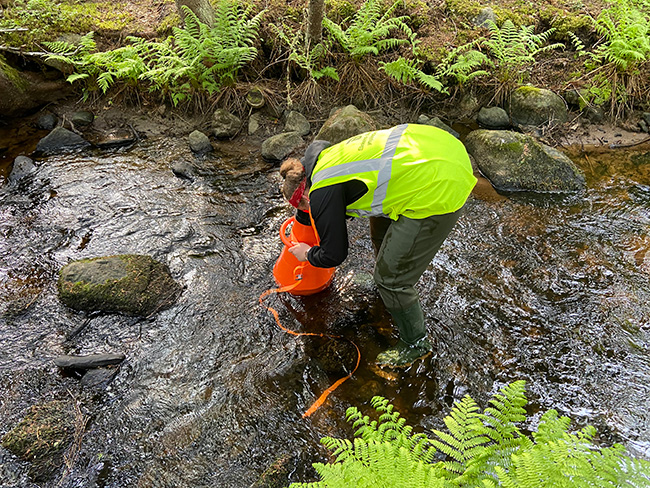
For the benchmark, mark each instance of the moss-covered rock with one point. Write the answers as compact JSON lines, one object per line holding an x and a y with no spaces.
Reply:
{"x":345,"y":123}
{"x":42,"y":437}
{"x":22,"y":92}
{"x":276,"y":475}
{"x":518,"y":162}
{"x":130,"y":283}
{"x":537,"y":106}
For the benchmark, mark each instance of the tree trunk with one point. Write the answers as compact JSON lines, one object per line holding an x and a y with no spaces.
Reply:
{"x":315,"y":22}
{"x":201,"y":8}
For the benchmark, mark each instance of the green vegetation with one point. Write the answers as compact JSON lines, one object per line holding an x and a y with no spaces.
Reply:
{"x":512,"y":52}
{"x":369,"y":31}
{"x":616,"y":64}
{"x":194,"y":61}
{"x":480,"y":449}
{"x":430,"y":49}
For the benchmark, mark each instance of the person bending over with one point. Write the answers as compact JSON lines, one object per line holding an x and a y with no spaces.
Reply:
{"x":412,"y":182}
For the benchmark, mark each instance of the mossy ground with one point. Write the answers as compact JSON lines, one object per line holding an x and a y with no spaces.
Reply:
{"x":440,"y":26}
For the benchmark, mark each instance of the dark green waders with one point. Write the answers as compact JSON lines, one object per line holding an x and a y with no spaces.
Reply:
{"x":404,"y":248}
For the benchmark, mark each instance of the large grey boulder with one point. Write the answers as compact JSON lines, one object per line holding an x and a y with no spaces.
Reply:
{"x":518,"y":162}
{"x":277,"y":148}
{"x":132,"y":284}
{"x":225,"y":125}
{"x":60,"y":140}
{"x":537,"y":107}
{"x":346,"y":122}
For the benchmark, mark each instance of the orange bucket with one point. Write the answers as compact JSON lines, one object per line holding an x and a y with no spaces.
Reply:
{"x":288,"y":270}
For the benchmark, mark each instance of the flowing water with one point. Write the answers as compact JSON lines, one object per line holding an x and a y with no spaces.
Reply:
{"x":550,"y":289}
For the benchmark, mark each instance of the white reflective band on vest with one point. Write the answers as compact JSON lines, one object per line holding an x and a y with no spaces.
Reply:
{"x":383,"y":166}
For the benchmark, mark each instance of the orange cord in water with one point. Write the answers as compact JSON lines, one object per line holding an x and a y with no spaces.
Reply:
{"x":321,"y":399}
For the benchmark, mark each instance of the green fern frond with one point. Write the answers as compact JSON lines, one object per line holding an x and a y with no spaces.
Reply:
{"x":553,"y":458}
{"x":405,"y":71}
{"x":369,"y":31}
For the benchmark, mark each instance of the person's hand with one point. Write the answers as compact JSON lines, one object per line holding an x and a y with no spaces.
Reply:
{"x":300,"y":250}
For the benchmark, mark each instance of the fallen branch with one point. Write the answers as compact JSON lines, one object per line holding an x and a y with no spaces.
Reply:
{"x":17,"y":50}
{"x":17,"y":29}
{"x":622,"y":146}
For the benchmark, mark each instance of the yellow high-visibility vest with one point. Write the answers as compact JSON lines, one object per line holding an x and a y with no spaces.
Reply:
{"x":411,"y":170}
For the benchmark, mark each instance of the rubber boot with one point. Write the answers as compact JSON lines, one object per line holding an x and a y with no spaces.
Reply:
{"x":404,"y":355}
{"x":413,"y":343}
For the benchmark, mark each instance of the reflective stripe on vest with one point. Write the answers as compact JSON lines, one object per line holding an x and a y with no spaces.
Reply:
{"x":439,"y":171}
{"x":383,"y":165}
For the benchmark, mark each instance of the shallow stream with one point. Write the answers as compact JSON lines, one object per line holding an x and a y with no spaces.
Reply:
{"x":550,"y":289}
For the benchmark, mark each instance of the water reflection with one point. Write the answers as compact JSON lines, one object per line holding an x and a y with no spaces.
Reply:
{"x":553,"y":290}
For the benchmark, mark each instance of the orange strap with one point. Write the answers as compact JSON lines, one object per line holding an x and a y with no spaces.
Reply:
{"x":321,"y":399}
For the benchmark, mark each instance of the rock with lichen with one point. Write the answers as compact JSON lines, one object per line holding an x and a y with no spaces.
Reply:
{"x":276,"y":148}
{"x":345,"y":123}
{"x":532,"y":106}
{"x":130,"y":283}
{"x":518,"y":162}
{"x":225,"y":125}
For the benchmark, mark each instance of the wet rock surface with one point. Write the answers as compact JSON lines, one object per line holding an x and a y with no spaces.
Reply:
{"x":41,"y":438}
{"x":89,"y":361}
{"x":131,"y":284}
{"x":21,"y":168}
{"x":277,"y":148}
{"x":225,"y":124}
{"x":60,"y":140}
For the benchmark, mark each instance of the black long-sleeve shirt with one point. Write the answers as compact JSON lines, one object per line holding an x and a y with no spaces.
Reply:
{"x":328,"y":206}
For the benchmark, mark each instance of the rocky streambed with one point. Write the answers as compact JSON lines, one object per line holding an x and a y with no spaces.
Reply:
{"x":207,"y":391}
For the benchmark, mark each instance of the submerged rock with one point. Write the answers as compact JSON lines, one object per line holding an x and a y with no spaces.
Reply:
{"x":60,"y":140}
{"x":21,"y":168}
{"x":115,"y":138}
{"x":183,"y":170}
{"x":42,"y":437}
{"x":99,"y":377}
{"x":346,"y":122}
{"x":277,"y":475}
{"x":518,"y":162}
{"x":130,"y":283}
